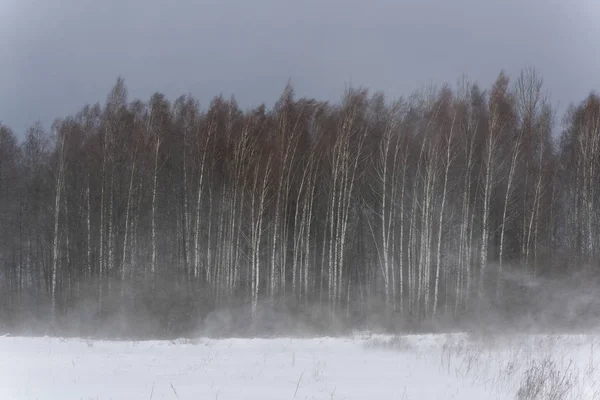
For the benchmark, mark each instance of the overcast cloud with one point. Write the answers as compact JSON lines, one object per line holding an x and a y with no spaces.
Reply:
{"x":56,"y":56}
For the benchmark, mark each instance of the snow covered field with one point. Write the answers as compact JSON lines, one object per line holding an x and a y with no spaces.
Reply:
{"x":419,"y":367}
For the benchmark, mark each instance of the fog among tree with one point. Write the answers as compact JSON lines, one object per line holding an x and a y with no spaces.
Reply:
{"x":455,"y":204}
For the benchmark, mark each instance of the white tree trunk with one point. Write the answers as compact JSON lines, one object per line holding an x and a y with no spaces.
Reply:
{"x":509,"y":188}
{"x":441,"y":219}
{"x":153,"y":215}
{"x":59,"y":184}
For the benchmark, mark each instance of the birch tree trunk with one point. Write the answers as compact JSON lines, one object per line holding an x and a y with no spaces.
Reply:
{"x":124,"y":265}
{"x":204,"y":152}
{"x":441,"y":217}
{"x":153,"y":212}
{"x":509,"y":189}
{"x":59,"y":184}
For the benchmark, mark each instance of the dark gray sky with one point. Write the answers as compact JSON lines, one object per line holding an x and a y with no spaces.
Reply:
{"x":57,"y":55}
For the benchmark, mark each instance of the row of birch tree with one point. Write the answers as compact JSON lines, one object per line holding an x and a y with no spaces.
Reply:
{"x":427,"y":205}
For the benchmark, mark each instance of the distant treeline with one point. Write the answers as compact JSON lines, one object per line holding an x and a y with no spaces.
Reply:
{"x":429,"y":207}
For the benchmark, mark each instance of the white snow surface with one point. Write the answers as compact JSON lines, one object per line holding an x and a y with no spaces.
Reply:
{"x":363,"y":366}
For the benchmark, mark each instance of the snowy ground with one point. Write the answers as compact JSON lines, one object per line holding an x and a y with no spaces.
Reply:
{"x":421,"y":367}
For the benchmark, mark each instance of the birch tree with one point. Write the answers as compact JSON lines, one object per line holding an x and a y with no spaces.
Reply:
{"x":158,"y":120}
{"x":498,"y":108}
{"x":58,"y":189}
{"x":581,"y":161}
